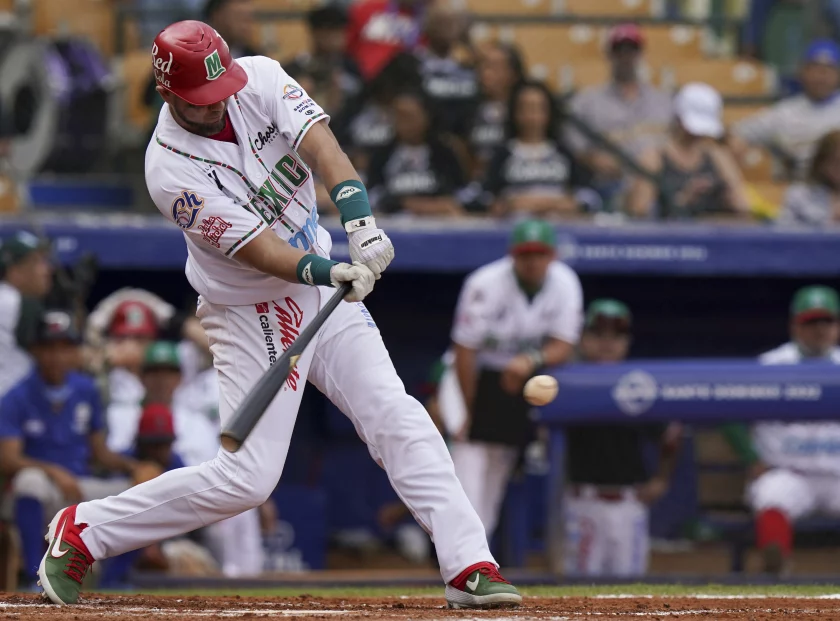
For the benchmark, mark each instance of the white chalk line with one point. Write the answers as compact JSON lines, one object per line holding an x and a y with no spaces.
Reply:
{"x":151,"y":610}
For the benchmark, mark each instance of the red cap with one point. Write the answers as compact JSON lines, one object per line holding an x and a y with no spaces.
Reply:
{"x":626,"y":33}
{"x":191,"y":60}
{"x":156,"y":424}
{"x":133,"y":319}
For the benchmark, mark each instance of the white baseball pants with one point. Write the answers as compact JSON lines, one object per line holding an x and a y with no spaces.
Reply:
{"x":484,"y":469}
{"x":796,"y":494}
{"x":348,"y":362}
{"x":605,"y":537}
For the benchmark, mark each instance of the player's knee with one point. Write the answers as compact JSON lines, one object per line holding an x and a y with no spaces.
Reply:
{"x":33,"y":483}
{"x":246,"y":487}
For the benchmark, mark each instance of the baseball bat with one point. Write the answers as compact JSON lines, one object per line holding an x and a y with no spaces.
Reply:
{"x":250,"y":411}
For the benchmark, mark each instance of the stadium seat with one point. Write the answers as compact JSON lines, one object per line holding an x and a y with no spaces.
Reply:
{"x":732,"y":113}
{"x":8,"y":202}
{"x":284,"y":5}
{"x":136,"y":73}
{"x":759,"y":165}
{"x":671,"y":43}
{"x":91,"y":19}
{"x":771,"y":191}
{"x":283,"y":39}
{"x":545,"y":43}
{"x":612,"y":8}
{"x":733,"y":78}
{"x":507,"y":7}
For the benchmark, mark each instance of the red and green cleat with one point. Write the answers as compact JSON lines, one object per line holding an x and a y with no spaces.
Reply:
{"x":481,"y":586}
{"x":67,"y":560}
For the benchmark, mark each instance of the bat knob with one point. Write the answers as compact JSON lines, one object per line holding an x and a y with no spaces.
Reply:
{"x":230,"y":444}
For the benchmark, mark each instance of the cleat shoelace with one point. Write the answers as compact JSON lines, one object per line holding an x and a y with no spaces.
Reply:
{"x":492,"y":574}
{"x":77,"y":566}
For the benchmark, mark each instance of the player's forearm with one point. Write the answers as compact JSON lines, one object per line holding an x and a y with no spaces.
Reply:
{"x":275,"y":257}
{"x":556,"y":352}
{"x":466,"y":371}
{"x":322,"y":153}
{"x":113,"y":462}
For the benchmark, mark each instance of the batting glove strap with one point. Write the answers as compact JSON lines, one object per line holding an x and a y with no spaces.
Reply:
{"x":359,"y":224}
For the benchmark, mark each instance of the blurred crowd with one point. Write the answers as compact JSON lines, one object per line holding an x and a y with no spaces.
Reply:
{"x":440,"y":125}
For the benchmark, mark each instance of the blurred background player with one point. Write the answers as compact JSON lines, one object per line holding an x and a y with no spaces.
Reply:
{"x":794,"y":467}
{"x":515,"y":316}
{"x":26,"y":272}
{"x":609,"y":488}
{"x":52,"y":430}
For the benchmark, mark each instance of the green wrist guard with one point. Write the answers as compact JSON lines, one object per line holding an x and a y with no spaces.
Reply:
{"x":351,"y":198}
{"x":315,"y":270}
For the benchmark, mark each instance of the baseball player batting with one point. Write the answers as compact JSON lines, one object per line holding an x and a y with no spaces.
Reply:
{"x":231,"y":162}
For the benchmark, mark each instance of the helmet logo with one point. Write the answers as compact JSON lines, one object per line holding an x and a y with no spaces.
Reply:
{"x":161,"y":66}
{"x":214,"y":66}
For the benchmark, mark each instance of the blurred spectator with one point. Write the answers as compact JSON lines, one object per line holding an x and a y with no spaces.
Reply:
{"x":631,"y":114}
{"x":379,"y":29}
{"x":333,"y":75}
{"x":417,"y":173}
{"x":793,"y":466}
{"x":27,"y":272}
{"x":609,"y":487}
{"x":697,"y":176}
{"x":367,"y":122}
{"x":234,"y":21}
{"x":51,"y":428}
{"x":131,"y":329}
{"x":792,"y":127}
{"x":532,"y":173}
{"x":499,"y":70}
{"x":515,"y":316}
{"x":160,"y":376}
{"x":817,"y":201}
{"x":450,"y":85}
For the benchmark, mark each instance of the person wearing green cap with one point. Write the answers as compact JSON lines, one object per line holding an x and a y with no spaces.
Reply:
{"x":515,"y":316}
{"x":794,"y":468}
{"x":609,"y":486}
{"x":27,"y":277}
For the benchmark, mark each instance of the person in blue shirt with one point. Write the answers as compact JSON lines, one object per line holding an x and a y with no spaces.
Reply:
{"x":51,"y":432}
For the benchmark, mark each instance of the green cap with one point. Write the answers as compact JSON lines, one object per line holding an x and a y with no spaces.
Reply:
{"x":606,"y":308}
{"x":19,"y":246}
{"x":162,"y":354}
{"x":815,"y":302}
{"x":532,"y":236}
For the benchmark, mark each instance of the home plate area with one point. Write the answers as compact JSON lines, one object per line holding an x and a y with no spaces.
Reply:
{"x":16,"y":606}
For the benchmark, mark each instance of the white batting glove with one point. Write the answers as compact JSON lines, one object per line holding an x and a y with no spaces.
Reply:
{"x":358,"y":274}
{"x":369,"y":245}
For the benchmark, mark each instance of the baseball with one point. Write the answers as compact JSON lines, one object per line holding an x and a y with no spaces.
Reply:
{"x":540,"y":390}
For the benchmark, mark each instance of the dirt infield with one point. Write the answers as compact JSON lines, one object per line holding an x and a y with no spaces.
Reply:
{"x":140,"y":607}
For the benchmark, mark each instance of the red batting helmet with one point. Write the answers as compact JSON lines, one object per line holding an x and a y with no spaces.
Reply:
{"x":192,"y":61}
{"x":133,"y":319}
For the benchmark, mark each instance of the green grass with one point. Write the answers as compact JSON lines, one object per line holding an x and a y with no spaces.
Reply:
{"x":540,"y":591}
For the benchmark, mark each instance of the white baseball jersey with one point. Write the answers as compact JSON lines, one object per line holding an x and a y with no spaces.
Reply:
{"x":14,"y":362}
{"x":495,"y":317}
{"x":807,"y":447}
{"x":223,"y":194}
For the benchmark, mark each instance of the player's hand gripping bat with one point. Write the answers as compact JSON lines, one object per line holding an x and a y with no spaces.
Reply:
{"x":262,"y":394}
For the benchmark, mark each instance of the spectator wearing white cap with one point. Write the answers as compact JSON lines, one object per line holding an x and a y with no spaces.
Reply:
{"x":697,"y":176}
